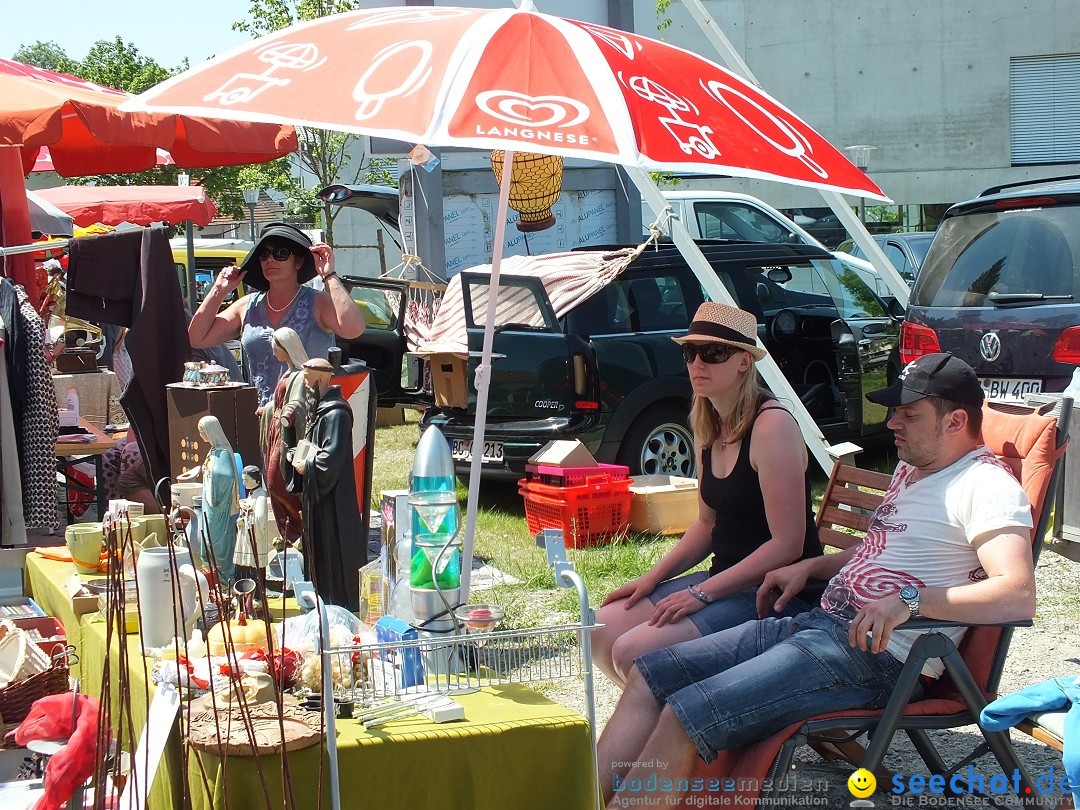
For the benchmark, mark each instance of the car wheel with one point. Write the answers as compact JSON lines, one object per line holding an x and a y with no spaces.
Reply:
{"x":660,"y":443}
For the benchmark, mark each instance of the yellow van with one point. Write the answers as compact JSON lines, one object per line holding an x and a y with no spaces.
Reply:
{"x":210,"y":256}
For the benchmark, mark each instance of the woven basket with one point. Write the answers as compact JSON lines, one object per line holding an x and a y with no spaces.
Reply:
{"x":17,"y":698}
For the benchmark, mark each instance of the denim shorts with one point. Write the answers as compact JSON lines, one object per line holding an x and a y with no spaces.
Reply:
{"x":724,"y":613}
{"x":736,"y":687}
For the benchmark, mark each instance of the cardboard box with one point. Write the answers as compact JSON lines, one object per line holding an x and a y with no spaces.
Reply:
{"x":234,"y":407}
{"x":450,"y":379}
{"x":564,"y":453}
{"x":385,"y":417}
{"x":663,"y":504}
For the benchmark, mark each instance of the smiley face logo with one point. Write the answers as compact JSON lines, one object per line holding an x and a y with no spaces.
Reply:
{"x":861,"y":783}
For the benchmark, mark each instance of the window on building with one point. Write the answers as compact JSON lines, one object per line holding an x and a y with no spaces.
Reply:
{"x":1045,"y":109}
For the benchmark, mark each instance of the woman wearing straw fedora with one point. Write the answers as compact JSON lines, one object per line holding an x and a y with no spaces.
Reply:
{"x":277,"y":267}
{"x":754,"y":509}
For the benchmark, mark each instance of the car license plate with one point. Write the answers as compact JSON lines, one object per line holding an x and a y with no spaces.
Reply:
{"x":1010,"y":389}
{"x":461,"y":450}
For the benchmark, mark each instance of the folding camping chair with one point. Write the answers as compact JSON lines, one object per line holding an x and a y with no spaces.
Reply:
{"x":1032,"y":442}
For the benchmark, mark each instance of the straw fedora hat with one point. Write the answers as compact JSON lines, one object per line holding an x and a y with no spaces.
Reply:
{"x":719,"y":323}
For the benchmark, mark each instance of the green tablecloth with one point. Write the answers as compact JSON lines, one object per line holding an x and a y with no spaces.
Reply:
{"x":515,"y":749}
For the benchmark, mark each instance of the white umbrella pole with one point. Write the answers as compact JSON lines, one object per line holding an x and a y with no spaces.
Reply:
{"x":483,"y":377}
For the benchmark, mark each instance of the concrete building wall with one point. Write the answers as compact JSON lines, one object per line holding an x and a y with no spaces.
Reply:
{"x":925,"y":81}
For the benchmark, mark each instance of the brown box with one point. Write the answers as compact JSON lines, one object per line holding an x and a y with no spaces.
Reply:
{"x":663,"y":504}
{"x":564,"y":453}
{"x":233,"y":406}
{"x":84,"y":602}
{"x":449,"y":378}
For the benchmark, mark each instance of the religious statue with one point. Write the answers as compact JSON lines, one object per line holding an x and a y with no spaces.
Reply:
{"x":255,"y":530}
{"x":281,"y":423}
{"x":332,"y":545}
{"x":221,"y":498}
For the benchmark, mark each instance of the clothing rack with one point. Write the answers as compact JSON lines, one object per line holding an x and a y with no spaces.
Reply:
{"x":35,"y":247}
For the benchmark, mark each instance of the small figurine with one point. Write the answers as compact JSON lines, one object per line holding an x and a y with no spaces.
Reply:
{"x":281,"y":422}
{"x":255,"y":529}
{"x":221,"y":498}
{"x":334,"y":550}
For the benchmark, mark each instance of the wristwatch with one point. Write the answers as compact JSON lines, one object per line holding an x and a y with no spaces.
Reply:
{"x":909,"y":595}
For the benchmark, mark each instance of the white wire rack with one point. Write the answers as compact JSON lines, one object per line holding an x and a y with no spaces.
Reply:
{"x":457,"y":662}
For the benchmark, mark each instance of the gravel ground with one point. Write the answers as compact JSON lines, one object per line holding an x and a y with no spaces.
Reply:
{"x":1048,"y":649}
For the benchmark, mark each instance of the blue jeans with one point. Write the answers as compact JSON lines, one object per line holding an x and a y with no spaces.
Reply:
{"x":739,"y":686}
{"x":727,"y":611}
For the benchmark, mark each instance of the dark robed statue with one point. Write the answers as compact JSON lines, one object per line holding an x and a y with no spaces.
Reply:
{"x":332,"y":545}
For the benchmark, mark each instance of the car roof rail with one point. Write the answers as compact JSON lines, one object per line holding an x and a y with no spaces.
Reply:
{"x":1023,"y":183}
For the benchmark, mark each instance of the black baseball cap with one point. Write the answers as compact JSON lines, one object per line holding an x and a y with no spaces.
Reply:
{"x":932,"y":375}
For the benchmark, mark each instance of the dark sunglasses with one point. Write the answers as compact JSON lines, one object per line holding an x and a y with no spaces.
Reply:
{"x":711,"y":353}
{"x":279,"y":252}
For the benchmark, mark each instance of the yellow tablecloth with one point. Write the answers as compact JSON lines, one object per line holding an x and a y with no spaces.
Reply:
{"x":515,"y":749}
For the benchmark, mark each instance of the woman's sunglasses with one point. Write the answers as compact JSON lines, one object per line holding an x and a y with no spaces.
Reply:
{"x":279,"y":252}
{"x":711,"y":353}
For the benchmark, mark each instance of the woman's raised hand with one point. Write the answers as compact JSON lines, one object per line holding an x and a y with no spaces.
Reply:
{"x":228,"y":280}
{"x":323,"y":255}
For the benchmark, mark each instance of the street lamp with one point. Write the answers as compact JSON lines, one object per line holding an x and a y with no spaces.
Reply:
{"x":251,"y":197}
{"x":860,"y":156}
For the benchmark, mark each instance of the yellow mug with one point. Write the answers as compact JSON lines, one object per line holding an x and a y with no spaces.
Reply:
{"x":155,"y":524}
{"x":84,"y":542}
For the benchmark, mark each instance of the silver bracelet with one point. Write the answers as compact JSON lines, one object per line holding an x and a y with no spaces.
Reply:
{"x":700,"y":595}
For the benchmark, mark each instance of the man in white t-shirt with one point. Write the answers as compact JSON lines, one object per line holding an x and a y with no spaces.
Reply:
{"x":951,"y":540}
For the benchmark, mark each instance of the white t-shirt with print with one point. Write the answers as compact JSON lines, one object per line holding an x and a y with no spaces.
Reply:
{"x":921,"y":535}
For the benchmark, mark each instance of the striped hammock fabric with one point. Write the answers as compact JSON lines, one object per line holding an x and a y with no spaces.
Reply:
{"x":568,"y":279}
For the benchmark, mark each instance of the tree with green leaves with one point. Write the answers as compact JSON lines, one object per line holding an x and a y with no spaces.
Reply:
{"x":46,"y":55}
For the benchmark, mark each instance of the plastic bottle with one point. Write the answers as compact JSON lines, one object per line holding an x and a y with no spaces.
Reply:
{"x":73,"y":401}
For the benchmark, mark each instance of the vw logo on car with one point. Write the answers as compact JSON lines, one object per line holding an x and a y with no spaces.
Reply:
{"x":990,"y":347}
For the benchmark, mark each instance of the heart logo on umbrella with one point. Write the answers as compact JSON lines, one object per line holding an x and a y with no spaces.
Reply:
{"x":518,"y":108}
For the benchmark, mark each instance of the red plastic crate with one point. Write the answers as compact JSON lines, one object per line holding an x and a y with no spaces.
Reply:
{"x":588,"y":515}
{"x":575,"y":476}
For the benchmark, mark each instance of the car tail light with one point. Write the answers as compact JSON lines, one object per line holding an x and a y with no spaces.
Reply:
{"x":916,"y":340}
{"x":1025,"y":202}
{"x":1067,"y":348}
{"x":587,"y":405}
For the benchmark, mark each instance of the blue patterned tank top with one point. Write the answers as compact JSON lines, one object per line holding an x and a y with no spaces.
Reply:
{"x":261,"y":368}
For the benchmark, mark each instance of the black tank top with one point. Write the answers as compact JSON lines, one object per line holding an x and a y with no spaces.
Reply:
{"x":741,"y":525}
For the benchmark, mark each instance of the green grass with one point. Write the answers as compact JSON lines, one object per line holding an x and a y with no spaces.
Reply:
{"x":502,"y":538}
